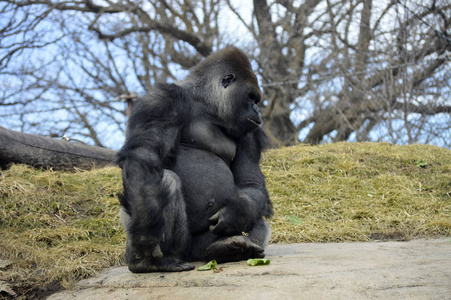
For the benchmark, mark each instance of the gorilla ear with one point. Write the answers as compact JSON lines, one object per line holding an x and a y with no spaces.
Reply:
{"x":227,"y":80}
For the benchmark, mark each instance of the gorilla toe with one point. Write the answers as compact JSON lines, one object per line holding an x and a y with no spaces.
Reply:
{"x":234,"y":248}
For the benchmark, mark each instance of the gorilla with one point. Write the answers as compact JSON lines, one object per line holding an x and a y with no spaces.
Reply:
{"x":193,"y":188}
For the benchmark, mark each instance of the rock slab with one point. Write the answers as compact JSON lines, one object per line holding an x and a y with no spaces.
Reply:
{"x":418,"y":269}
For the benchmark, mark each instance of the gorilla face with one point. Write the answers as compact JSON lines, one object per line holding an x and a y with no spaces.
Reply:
{"x":241,"y":94}
{"x":255,"y":117}
{"x":225,"y":83}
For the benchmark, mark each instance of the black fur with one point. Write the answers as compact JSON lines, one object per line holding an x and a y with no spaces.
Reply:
{"x":190,"y":168}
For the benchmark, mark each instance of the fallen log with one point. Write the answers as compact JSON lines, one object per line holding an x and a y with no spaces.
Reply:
{"x":44,"y":152}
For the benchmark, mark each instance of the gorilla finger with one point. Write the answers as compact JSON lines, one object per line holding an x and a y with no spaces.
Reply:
{"x":222,"y":228}
{"x":218,"y":229}
{"x":156,"y":253}
{"x":258,"y":249}
{"x":214,"y":219}
{"x":185,"y":267}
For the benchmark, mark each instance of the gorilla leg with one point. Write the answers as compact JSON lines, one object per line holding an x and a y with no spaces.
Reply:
{"x":226,"y":249}
{"x":165,"y":256}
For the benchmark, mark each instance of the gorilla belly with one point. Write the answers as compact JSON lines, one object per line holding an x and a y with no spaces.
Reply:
{"x":207,"y":183}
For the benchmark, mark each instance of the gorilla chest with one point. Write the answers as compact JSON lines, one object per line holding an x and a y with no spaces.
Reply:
{"x":208,"y":184}
{"x":203,"y":166}
{"x":206,"y":136}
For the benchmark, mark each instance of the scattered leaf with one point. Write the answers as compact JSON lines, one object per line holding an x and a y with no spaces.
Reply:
{"x":294,"y":220}
{"x":258,"y":262}
{"x":421,"y":163}
{"x":211,"y":265}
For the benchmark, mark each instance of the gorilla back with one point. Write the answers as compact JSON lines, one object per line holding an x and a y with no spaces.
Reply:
{"x":193,"y":188}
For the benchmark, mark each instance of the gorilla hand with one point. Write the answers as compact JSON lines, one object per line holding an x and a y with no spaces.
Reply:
{"x":230,"y":220}
{"x":224,"y":222}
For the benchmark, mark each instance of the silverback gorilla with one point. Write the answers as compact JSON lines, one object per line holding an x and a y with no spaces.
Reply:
{"x":193,"y":188}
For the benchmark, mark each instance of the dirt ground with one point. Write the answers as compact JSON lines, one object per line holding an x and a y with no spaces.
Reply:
{"x":418,"y":269}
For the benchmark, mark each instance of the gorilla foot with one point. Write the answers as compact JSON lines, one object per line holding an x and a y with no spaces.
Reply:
{"x":165,"y":264}
{"x":234,"y":248}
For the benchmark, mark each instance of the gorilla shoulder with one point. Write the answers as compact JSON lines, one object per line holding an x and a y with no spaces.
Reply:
{"x":164,"y":104}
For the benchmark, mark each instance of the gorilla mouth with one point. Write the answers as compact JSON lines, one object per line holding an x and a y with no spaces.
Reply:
{"x":256,"y":122}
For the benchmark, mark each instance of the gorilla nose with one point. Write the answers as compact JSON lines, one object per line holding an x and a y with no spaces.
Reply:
{"x":254,"y":97}
{"x":255,"y":108}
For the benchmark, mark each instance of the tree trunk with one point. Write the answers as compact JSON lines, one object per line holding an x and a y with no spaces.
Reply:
{"x":38,"y":151}
{"x":277,"y":122}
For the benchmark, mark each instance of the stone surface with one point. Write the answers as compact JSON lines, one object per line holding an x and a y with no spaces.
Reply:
{"x":419,"y":269}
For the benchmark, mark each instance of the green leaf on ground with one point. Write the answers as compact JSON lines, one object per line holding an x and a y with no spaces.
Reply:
{"x":421,"y":163}
{"x":211,"y":265}
{"x":294,"y":220}
{"x":258,"y":262}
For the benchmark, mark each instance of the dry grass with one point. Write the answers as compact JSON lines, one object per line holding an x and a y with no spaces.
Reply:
{"x":57,"y":228}
{"x":359,"y":192}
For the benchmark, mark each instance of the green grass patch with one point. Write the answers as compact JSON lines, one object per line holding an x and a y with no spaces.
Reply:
{"x":57,"y":227}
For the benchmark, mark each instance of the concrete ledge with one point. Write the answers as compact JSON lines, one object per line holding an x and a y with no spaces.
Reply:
{"x":419,"y":269}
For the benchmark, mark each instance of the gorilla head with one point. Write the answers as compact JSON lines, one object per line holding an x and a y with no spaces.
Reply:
{"x":229,"y":87}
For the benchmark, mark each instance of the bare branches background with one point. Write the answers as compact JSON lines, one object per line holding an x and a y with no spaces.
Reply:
{"x":331,"y":70}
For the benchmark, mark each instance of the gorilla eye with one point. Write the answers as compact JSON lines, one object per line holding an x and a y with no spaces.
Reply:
{"x":254,"y":98}
{"x":227,"y":80}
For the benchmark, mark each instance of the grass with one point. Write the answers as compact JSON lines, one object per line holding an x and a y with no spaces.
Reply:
{"x":57,"y":228}
{"x":359,"y":192}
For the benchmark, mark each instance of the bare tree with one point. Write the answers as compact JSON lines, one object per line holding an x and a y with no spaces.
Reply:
{"x":331,"y":70}
{"x":100,"y":55}
{"x":388,"y":72}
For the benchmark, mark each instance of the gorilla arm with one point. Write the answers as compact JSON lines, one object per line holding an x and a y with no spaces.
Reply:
{"x":252,"y":201}
{"x":153,"y":132}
